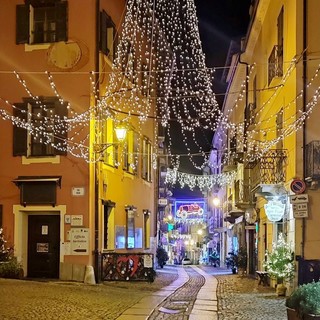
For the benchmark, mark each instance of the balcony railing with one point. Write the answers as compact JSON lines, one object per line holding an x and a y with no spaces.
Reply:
{"x":270,"y":168}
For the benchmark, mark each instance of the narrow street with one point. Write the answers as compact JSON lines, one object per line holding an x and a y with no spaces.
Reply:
{"x":237,"y":297}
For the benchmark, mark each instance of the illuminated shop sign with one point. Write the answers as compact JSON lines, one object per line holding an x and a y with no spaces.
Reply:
{"x":189,"y":209}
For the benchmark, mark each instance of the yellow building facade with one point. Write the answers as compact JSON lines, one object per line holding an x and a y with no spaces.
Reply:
{"x":271,"y":134}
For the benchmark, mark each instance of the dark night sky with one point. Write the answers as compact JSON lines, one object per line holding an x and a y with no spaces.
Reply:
{"x":220,"y":21}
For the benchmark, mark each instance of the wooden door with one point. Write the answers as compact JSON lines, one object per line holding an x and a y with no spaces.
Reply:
{"x":43,"y":246}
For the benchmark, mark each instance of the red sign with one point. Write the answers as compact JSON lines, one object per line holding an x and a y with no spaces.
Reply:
{"x":298,"y":186}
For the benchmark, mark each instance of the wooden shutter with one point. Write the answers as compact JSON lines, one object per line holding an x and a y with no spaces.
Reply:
{"x":62,"y":20}
{"x":20,"y":134}
{"x":61,"y":136}
{"x":103,"y":33}
{"x":22,"y":24}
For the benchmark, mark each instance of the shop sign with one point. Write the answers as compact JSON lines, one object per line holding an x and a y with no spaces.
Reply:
{"x":274,"y":210}
{"x":162,"y":202}
{"x":79,"y":239}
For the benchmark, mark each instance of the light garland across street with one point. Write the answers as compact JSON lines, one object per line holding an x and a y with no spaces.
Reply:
{"x":203,"y":182}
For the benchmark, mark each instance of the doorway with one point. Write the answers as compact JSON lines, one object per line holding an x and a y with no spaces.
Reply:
{"x":43,"y":246}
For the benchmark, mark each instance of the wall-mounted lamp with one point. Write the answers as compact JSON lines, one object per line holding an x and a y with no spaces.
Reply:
{"x":121,"y":132}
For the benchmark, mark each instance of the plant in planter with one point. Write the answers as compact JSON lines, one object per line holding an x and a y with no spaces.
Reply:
{"x":9,"y":266}
{"x":304,"y":302}
{"x":279,"y":263}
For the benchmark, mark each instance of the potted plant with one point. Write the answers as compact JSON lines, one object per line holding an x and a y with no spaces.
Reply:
{"x":279,"y":264}
{"x":304,"y":302}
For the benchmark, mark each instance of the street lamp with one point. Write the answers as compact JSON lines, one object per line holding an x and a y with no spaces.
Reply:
{"x":216,"y":201}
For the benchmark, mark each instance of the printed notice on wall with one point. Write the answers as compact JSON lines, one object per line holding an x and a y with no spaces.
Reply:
{"x":43,"y":247}
{"x":79,"y":241}
{"x":77,"y":220}
{"x":44,"y":230}
{"x":147,"y":261}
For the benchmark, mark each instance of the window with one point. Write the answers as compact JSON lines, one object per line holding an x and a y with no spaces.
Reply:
{"x":41,"y":22}
{"x":280,"y":42}
{"x":275,"y":61}
{"x":46,"y":137}
{"x":0,"y":215}
{"x":146,"y":159}
{"x":111,"y":154}
{"x":108,"y":38}
{"x":130,"y":152}
{"x":279,"y":129}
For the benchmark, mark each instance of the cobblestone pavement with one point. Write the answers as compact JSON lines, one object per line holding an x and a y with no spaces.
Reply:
{"x":242,"y":298}
{"x":179,"y":305}
{"x":238,"y":298}
{"x":24,"y":299}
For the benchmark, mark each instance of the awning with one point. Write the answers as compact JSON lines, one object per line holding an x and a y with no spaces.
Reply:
{"x":32,"y":179}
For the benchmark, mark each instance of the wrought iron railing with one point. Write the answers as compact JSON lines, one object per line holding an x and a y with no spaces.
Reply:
{"x":275,"y":63}
{"x":270,"y":168}
{"x":127,"y":267}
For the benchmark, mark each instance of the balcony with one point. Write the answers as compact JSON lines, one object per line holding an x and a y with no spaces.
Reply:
{"x":269,"y":169}
{"x":275,"y":63}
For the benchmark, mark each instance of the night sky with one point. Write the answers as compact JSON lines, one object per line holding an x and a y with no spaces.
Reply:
{"x":220,"y":21}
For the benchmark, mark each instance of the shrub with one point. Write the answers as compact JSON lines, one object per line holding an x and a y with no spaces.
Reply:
{"x":305,"y":299}
{"x":11,"y":269}
{"x":9,"y":266}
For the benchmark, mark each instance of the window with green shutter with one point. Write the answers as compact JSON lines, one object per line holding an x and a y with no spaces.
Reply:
{"x":40,"y":129}
{"x":41,"y":22}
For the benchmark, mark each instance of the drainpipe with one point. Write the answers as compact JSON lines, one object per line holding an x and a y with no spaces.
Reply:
{"x":304,"y":103}
{"x":97,"y":254}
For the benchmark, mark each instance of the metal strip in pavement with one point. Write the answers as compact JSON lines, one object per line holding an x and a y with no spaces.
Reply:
{"x":142,"y":309}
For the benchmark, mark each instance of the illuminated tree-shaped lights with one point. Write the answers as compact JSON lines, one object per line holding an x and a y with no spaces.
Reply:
{"x":160,"y":63}
{"x":279,"y":262}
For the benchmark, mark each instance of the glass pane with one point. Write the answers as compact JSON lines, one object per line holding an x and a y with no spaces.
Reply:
{"x":120,"y":237}
{"x":138,"y":238}
{"x":131,"y":231}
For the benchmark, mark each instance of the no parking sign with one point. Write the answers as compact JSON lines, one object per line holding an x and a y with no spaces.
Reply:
{"x":298,"y":186}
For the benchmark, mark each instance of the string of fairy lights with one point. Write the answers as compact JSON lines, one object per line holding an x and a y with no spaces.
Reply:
{"x":159,"y":75}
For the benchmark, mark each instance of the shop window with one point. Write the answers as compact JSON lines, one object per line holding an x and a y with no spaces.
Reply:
{"x":41,"y":21}
{"x":120,"y":237}
{"x":130,"y":227}
{"x":47,"y":135}
{"x":138,"y":238}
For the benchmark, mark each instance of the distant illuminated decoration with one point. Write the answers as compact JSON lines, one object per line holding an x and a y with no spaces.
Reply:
{"x":189,"y":210}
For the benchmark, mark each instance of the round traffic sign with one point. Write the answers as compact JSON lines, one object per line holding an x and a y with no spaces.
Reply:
{"x":298,"y":186}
